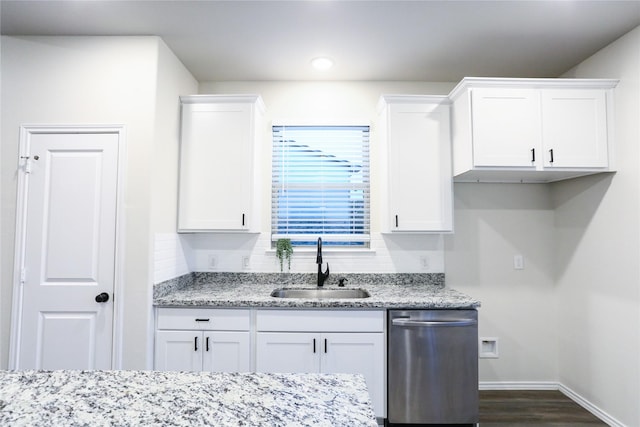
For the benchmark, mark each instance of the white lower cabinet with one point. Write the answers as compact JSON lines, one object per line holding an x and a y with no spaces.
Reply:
{"x":203,"y":340}
{"x":286,"y":341}
{"x":287,"y":352}
{"x":322,"y":341}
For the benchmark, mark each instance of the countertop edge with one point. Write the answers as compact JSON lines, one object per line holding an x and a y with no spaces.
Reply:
{"x":248,"y":290}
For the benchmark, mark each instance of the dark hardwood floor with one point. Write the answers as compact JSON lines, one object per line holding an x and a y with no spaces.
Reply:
{"x":532,"y":409}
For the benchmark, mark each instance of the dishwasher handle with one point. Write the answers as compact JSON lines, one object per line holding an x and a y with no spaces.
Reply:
{"x":403,"y":321}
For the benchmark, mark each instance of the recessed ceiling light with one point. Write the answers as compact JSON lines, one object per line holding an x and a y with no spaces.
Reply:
{"x":322,"y":63}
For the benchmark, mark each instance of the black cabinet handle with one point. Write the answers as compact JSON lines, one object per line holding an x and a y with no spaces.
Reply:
{"x":551,"y":154}
{"x":314,"y":345}
{"x":206,"y":343}
{"x":325,"y":345}
{"x":202,"y":320}
{"x":396,"y":220}
{"x":243,"y":220}
{"x":195,"y":344}
{"x":533,"y":155}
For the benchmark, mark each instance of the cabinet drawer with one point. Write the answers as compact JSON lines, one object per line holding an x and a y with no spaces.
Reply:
{"x":203,"y":319}
{"x":320,"y":321}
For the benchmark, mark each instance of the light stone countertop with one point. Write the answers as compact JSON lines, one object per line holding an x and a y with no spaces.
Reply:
{"x":139,"y":398}
{"x":388,"y":291}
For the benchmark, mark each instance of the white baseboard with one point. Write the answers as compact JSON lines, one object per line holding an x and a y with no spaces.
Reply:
{"x":589,"y":406}
{"x":518,"y":385}
{"x":551,"y":385}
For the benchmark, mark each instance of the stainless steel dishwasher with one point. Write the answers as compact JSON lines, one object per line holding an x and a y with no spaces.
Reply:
{"x":432,"y":367}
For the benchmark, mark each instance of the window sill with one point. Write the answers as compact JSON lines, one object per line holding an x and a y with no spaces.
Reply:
{"x":311,"y":251}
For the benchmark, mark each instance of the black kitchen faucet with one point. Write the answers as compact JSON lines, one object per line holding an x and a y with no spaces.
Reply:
{"x":321,"y":276}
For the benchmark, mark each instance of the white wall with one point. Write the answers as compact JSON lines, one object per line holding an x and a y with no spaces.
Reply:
{"x":323,"y":101}
{"x":168,"y":256}
{"x":493,"y":223}
{"x":173,"y":80}
{"x":75,"y":80}
{"x":597,"y":239}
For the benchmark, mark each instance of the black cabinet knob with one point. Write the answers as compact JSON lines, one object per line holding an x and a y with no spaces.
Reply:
{"x":103,"y":297}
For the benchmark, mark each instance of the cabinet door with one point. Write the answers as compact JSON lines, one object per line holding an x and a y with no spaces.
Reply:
{"x":178,"y":351}
{"x":357,"y":353}
{"x":226,"y":352}
{"x":287,"y":352}
{"x":215,"y":166}
{"x":505,"y":127}
{"x":420,"y":177}
{"x":574,"y":126}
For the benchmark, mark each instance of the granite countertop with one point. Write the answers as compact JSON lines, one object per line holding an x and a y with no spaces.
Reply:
{"x":136,"y":398}
{"x":420,"y":291}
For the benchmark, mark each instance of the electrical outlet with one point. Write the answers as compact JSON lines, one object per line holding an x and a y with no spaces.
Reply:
{"x":212,"y":262}
{"x":245,"y":262}
{"x":518,"y":262}
{"x":424,"y":262}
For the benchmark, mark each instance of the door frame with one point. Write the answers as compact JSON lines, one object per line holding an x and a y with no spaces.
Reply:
{"x":26,"y":131}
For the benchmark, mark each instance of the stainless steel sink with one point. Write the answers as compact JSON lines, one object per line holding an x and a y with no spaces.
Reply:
{"x":320,"y":293}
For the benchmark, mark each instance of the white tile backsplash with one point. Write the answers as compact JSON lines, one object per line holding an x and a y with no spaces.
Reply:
{"x":170,"y":258}
{"x":389,"y":253}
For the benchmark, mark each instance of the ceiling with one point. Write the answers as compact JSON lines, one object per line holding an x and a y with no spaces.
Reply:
{"x":368,"y":40}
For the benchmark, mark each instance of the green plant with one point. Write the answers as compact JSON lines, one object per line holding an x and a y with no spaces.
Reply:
{"x":284,"y":250}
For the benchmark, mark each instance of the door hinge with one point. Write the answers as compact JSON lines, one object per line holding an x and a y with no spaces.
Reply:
{"x":23,"y":276}
{"x":27,"y":164}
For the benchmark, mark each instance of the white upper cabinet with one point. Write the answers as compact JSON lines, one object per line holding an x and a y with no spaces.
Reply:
{"x":574,"y":128}
{"x":514,"y":112}
{"x":218,"y":162}
{"x":531,"y":130}
{"x":416,"y":164}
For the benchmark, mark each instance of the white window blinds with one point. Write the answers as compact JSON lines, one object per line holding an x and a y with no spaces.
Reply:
{"x":320,"y":185}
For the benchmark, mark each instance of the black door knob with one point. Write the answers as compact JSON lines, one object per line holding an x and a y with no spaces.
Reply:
{"x":103,"y":297}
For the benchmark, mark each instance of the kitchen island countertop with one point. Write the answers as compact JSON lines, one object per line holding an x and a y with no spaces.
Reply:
{"x":135,"y":398}
{"x":419,"y":291}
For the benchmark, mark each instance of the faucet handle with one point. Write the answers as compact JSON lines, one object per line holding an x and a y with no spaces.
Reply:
{"x":341,"y":281}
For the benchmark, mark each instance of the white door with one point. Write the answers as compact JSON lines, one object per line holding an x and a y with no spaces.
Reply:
{"x":68,"y":228}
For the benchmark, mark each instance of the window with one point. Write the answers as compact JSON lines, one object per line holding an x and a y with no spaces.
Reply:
{"x":320,"y":185}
